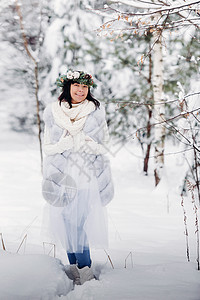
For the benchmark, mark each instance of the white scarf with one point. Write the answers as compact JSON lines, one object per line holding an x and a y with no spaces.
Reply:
{"x":72,"y":119}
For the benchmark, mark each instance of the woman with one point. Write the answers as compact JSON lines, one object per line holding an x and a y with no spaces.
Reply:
{"x":77,"y":180}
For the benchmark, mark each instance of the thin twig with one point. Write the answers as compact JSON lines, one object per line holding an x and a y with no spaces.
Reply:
{"x":109,"y":259}
{"x":165,"y":121}
{"x":28,"y":226}
{"x":186,"y":230}
{"x":150,"y":104}
{"x":52,"y":249}
{"x":130,"y":254}
{"x":191,"y":189}
{"x":2,"y":242}
{"x":171,"y":9}
{"x":23,"y":241}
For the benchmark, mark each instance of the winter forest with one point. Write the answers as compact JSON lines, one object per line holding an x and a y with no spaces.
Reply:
{"x":145,"y":58}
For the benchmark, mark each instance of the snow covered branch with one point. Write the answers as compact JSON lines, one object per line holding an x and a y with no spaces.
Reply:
{"x":163,"y":8}
{"x":138,"y":4}
{"x":138,"y":20}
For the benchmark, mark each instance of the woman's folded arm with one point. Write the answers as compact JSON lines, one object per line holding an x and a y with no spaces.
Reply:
{"x":65,"y":143}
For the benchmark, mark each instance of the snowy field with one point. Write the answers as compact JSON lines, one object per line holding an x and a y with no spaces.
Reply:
{"x":144,"y":223}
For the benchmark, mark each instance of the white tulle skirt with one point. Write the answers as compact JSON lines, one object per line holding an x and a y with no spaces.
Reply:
{"x":83,"y":221}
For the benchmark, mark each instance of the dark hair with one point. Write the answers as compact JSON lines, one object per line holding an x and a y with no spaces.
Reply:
{"x":66,"y":95}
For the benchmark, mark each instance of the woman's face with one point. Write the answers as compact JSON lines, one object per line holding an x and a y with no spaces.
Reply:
{"x":78,"y":92}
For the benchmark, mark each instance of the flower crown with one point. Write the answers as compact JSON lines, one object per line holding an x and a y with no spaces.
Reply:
{"x":76,"y":76}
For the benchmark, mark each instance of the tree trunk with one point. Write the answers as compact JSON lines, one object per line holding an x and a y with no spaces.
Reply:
{"x":159,"y":109}
{"x":149,"y":140}
{"x":21,"y":23}
{"x":146,"y":159}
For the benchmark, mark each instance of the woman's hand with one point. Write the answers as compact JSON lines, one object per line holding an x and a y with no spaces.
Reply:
{"x":92,"y":147}
{"x":84,"y":143}
{"x":65,"y":142}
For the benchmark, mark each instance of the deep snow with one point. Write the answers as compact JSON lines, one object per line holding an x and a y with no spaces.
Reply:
{"x":145,"y":221}
{"x":32,"y":277}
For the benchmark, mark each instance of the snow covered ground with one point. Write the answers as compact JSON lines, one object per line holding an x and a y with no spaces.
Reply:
{"x":144,"y":223}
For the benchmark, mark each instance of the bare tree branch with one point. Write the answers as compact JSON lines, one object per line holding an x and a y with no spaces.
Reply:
{"x":142,"y":4}
{"x":167,"y":10}
{"x":163,"y":9}
{"x":18,"y":9}
{"x":168,"y":120}
{"x":151,"y":104}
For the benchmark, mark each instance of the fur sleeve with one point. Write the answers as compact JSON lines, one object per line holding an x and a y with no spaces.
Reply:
{"x":47,"y":116}
{"x":100,"y":114}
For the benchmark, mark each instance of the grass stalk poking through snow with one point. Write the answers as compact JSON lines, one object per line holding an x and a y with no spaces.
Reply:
{"x":191,"y":188}
{"x":2,"y":242}
{"x":52,"y":249}
{"x":109,"y":259}
{"x":186,"y":230}
{"x":131,"y":257}
{"x":23,"y":241}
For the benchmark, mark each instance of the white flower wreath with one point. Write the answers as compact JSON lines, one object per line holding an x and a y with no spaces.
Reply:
{"x":70,"y":75}
{"x":76,"y":75}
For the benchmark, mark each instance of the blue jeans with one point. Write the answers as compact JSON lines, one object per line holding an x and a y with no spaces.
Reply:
{"x":82,"y":259}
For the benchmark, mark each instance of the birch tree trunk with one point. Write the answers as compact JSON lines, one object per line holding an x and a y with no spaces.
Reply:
{"x":159,"y":109}
{"x":149,"y":110}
